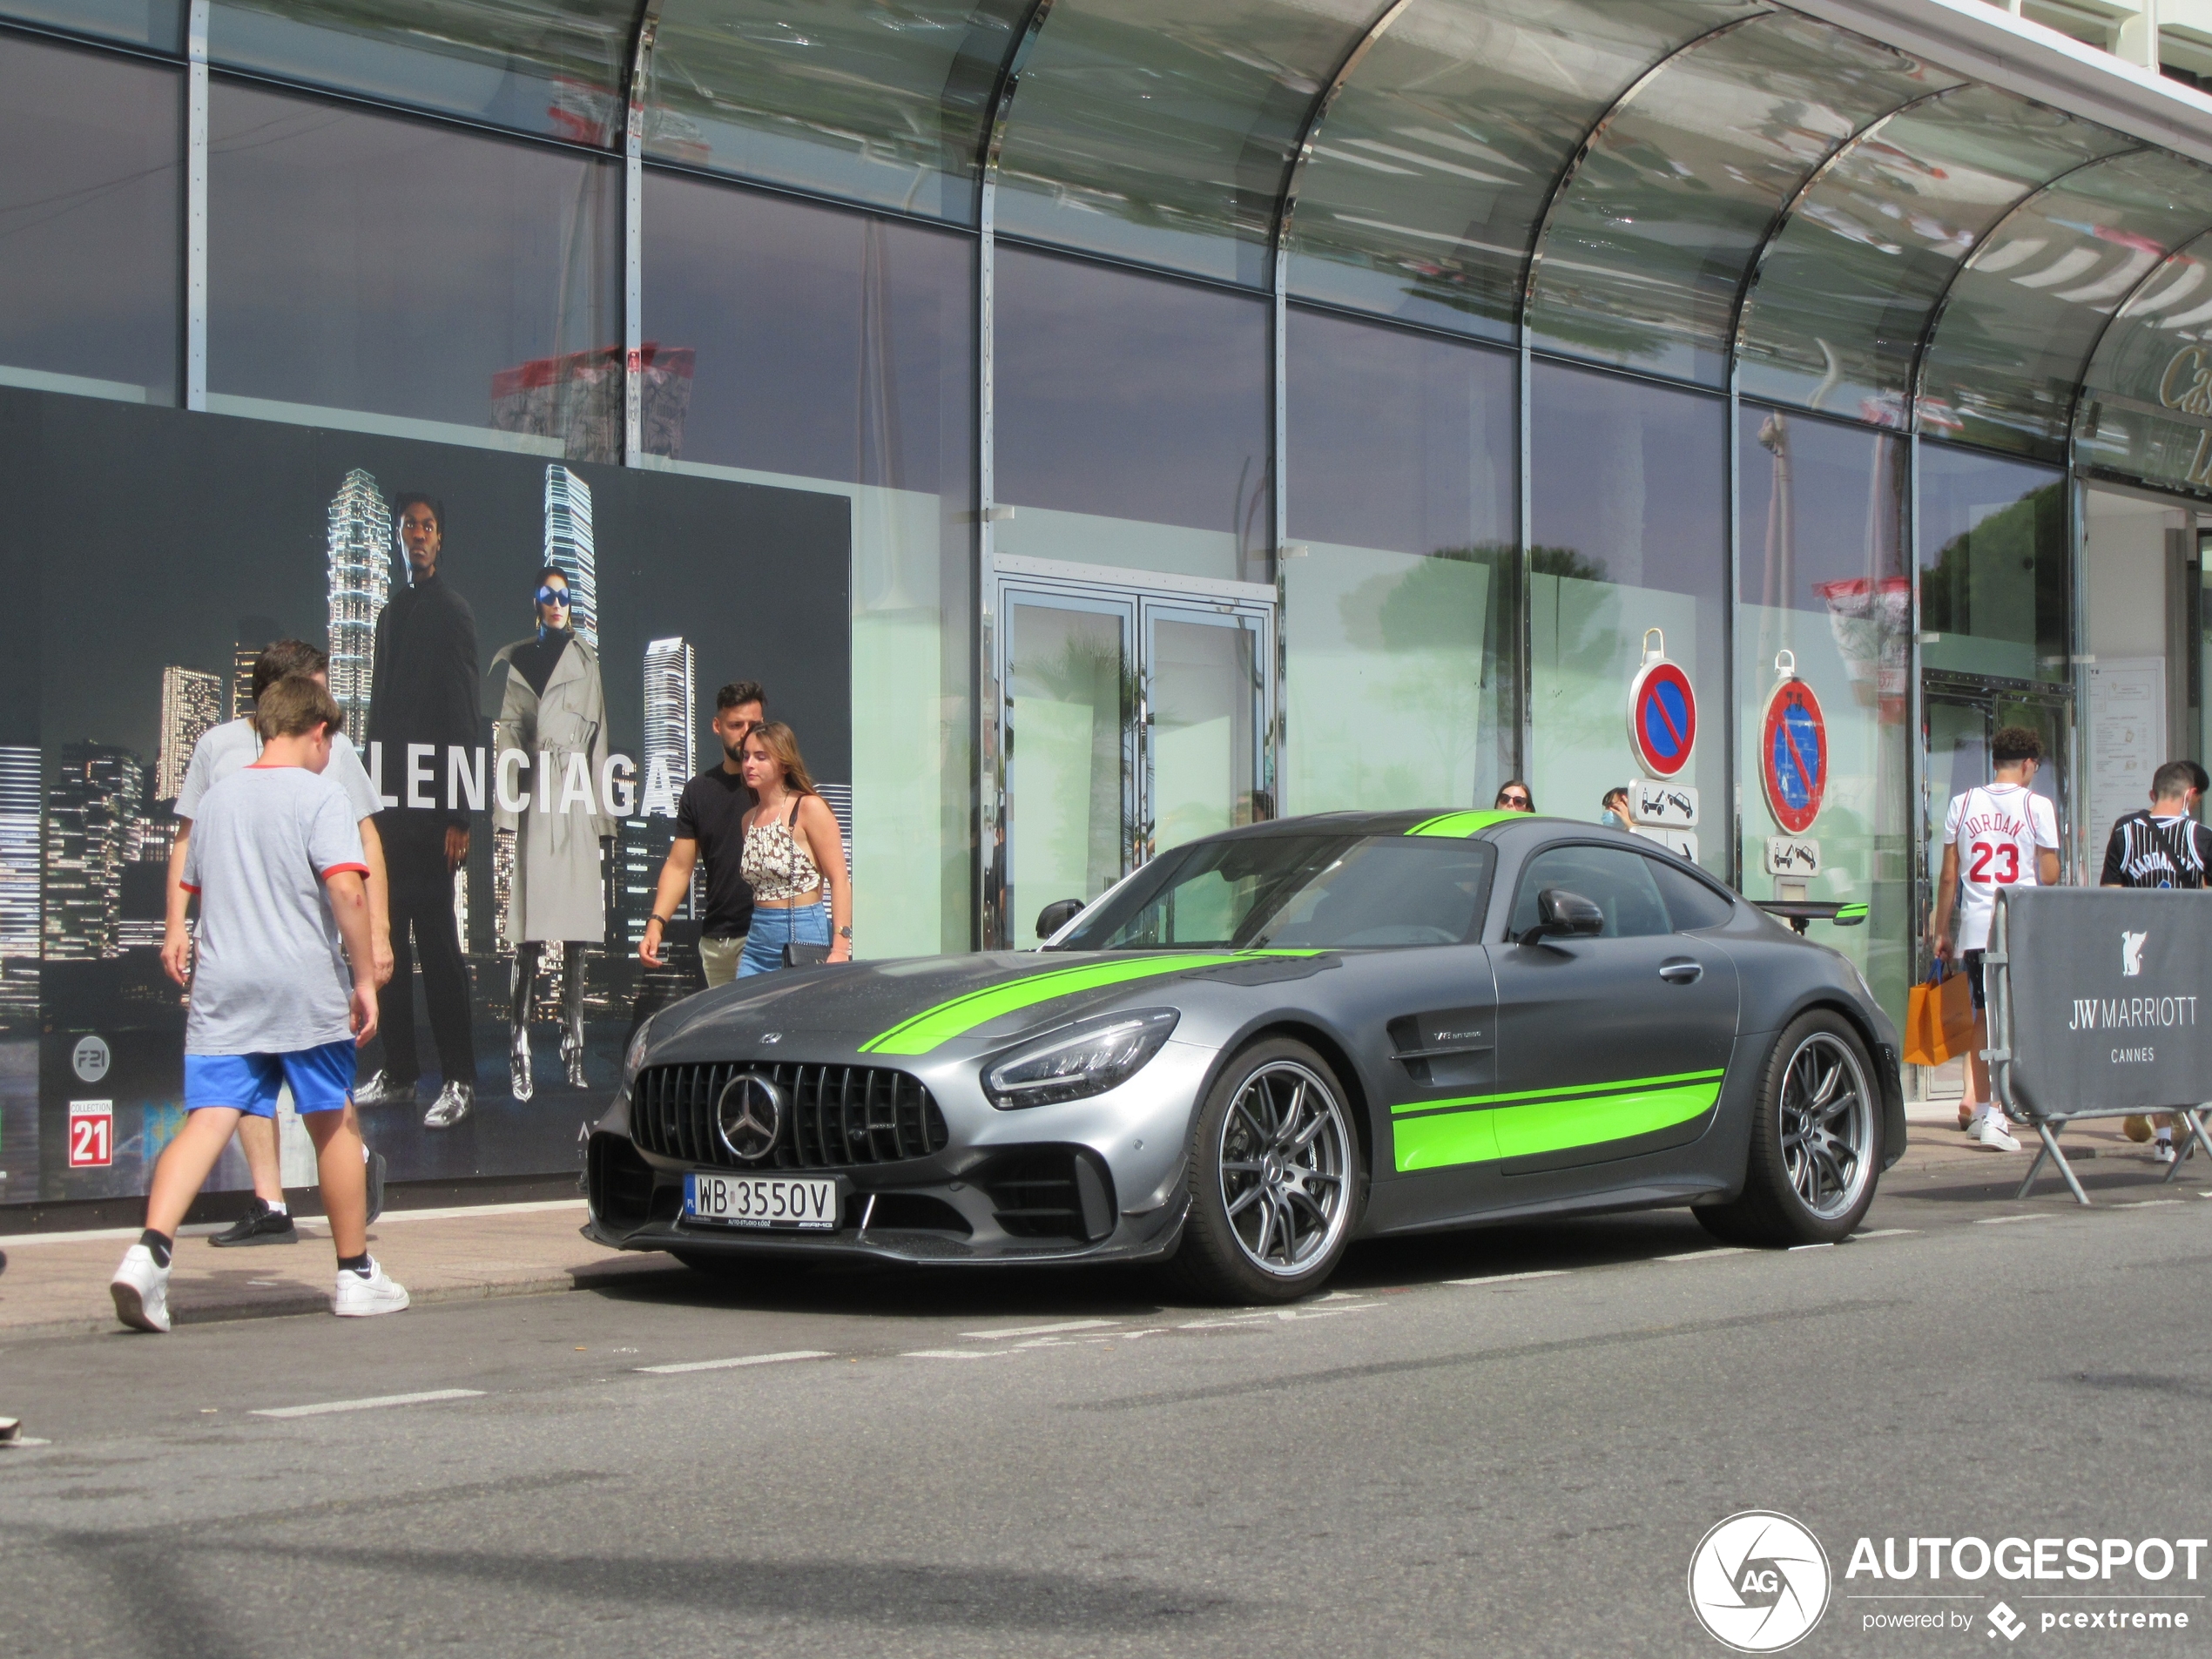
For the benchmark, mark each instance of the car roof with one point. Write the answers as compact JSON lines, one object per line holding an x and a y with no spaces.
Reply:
{"x":1459,"y":822}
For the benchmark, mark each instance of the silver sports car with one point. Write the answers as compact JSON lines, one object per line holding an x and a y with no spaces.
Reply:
{"x":1263,"y":1045}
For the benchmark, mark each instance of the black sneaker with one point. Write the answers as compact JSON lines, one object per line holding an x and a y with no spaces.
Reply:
{"x":375,"y":1185}
{"x":259,"y":1226}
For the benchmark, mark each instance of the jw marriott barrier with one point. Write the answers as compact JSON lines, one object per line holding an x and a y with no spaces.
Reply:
{"x":1097,"y":423}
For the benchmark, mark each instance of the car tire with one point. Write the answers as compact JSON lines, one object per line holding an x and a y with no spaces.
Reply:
{"x":1816,"y":1150}
{"x":1276,"y":1179}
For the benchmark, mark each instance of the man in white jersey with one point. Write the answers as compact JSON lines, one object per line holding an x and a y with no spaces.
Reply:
{"x":221,"y":751}
{"x":2000,"y":835}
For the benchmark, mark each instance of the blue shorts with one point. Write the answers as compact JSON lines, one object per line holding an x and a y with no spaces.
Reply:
{"x":321,"y":1079}
{"x":772,"y":930}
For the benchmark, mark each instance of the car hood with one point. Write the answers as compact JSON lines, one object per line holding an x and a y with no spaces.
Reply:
{"x":939,"y":1005}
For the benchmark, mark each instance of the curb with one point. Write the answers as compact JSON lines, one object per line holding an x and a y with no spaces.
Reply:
{"x":293,"y":1304}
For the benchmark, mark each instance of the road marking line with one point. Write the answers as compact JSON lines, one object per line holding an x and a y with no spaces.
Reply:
{"x":1707,"y":1255}
{"x":1511,"y":1279}
{"x":1041,"y":1330}
{"x":957,"y":1353}
{"x":1794,"y":1249}
{"x":1999,"y":1221}
{"x":745,"y":1360}
{"x":2144,"y":1204}
{"x":1886,"y":1232}
{"x":376,"y":1404}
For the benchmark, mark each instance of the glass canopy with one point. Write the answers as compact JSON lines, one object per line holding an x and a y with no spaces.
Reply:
{"x":1843,"y":293}
{"x":2010,"y":343}
{"x":874,"y":102}
{"x":1426,"y":182}
{"x":1649,"y":242}
{"x":1162,"y":131}
{"x":2146,"y":398}
{"x":557,"y":67}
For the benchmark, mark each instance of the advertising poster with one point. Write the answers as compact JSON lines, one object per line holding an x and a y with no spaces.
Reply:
{"x":153,"y":554}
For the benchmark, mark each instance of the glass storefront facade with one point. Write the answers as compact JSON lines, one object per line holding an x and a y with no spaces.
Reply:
{"x":1096,"y":424}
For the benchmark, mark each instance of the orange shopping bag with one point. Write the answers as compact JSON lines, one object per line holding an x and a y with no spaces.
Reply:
{"x":1939,"y":1019}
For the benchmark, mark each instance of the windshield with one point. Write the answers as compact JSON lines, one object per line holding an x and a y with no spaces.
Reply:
{"x":1315,"y":892}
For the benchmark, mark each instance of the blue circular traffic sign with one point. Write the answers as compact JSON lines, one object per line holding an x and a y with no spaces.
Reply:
{"x":1663,"y":718}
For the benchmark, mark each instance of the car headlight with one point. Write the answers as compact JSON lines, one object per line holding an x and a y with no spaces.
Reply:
{"x":1087,"y":1058}
{"x":634,"y":1055}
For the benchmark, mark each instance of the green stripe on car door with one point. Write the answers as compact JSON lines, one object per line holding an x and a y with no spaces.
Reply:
{"x":941,"y":1024}
{"x":1434,"y":1134}
{"x":1461,"y":824}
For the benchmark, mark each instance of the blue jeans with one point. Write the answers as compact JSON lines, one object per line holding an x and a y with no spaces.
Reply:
{"x":806,"y":924}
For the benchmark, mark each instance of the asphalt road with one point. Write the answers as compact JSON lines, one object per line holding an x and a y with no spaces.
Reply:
{"x":1063,"y":1465}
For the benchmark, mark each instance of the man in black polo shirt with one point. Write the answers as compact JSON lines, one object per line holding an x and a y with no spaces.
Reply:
{"x":710,"y":825}
{"x":2163,"y":848}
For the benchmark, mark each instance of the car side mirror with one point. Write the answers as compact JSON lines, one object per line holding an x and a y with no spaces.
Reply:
{"x":1057,"y":915}
{"x":1559,"y":912}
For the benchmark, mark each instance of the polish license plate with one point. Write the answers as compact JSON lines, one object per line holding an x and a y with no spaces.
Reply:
{"x":806,"y":1205}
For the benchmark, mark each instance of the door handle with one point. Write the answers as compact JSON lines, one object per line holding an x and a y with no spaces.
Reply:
{"x":1680,"y":970}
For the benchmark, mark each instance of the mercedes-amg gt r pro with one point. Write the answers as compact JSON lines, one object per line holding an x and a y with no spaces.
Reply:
{"x":1263,"y":1045}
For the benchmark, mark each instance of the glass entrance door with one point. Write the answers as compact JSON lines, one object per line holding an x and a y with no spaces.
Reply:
{"x":1959,"y":719}
{"x":1134,"y":717}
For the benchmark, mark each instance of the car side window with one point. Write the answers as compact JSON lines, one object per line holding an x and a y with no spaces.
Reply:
{"x":1691,"y":905}
{"x":1618,"y":881}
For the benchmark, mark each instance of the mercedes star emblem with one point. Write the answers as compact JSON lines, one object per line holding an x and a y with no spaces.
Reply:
{"x":749,"y":1115}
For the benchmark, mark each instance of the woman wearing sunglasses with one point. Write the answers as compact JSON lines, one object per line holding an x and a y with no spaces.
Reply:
{"x":1514,"y":797}
{"x":549,"y":751}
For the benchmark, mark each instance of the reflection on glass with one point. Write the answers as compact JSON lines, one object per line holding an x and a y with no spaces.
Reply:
{"x":1994,"y":583}
{"x":1650,"y":241}
{"x":1400,"y":629}
{"x":361,"y":262}
{"x":1842,"y":296}
{"x":1426,"y":180}
{"x":2015,"y":335}
{"x":1070,"y":698}
{"x":549,"y":66}
{"x":1823,"y":577}
{"x":880,"y":104}
{"x":1201,"y":697}
{"x":816,"y":341}
{"x":1132,"y":424}
{"x":2146,"y":398}
{"x":157,"y":23}
{"x":1158,"y":130}
{"x":1629,"y":533}
{"x":91,"y":222}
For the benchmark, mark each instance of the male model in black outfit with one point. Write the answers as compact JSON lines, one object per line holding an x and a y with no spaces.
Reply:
{"x":422,"y":701}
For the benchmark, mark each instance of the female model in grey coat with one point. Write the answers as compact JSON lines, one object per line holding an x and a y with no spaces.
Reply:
{"x":553,"y":724}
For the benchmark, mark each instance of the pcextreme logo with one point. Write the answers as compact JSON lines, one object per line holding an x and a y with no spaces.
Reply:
{"x":1758,"y":1581}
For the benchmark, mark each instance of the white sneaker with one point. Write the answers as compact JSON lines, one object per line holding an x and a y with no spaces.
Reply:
{"x":1974,"y":1124}
{"x":1990,"y":1131}
{"x":140,"y":1288}
{"x":2161,"y":1152}
{"x":363,"y":1299}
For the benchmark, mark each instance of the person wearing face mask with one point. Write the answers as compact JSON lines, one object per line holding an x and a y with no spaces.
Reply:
{"x":1613,"y":811}
{"x":709,"y":825}
{"x":553,"y":715}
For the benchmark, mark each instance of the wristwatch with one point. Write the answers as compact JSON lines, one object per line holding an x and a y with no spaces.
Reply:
{"x":662,"y":919}
{"x":844,"y":933}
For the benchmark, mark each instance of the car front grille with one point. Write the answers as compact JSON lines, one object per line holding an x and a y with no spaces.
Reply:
{"x":837,"y":1116}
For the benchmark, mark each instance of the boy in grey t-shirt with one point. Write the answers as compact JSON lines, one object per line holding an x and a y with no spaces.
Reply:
{"x":276,"y":858}
{"x":221,"y":751}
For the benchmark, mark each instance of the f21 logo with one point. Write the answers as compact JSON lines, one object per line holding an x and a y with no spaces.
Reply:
{"x":92,"y":1134}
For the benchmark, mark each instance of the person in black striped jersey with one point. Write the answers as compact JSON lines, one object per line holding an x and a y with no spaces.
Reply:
{"x":2163,"y":848}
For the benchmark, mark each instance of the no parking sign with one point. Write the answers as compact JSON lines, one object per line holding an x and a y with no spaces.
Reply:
{"x":1793,"y":750}
{"x":1662,"y":711}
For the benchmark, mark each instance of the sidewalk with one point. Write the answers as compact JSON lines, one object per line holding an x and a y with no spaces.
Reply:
{"x":56,"y":1284}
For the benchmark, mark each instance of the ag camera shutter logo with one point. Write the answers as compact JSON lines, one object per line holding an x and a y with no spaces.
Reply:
{"x":1758,"y":1581}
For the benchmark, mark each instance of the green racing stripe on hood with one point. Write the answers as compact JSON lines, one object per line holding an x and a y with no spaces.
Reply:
{"x":933,"y":1027}
{"x":1462,"y":824}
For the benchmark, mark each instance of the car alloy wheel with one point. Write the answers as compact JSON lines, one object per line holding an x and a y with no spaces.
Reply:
{"x":1286,"y":1169}
{"x":1827,"y":1125}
